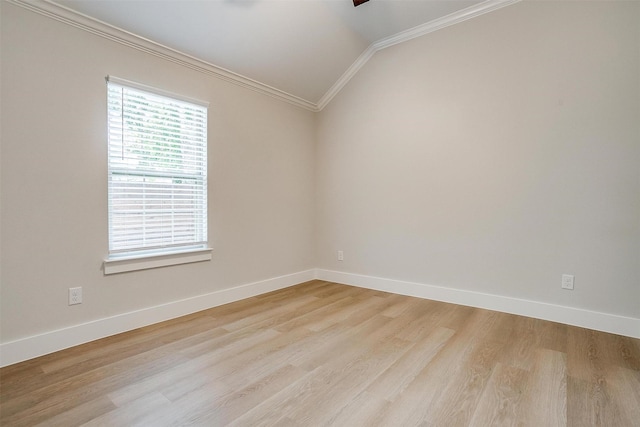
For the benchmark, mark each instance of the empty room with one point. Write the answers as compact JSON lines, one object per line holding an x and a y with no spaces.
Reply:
{"x":320,"y":213}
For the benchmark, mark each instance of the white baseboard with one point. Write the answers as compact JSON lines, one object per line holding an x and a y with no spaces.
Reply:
{"x":627,"y":326}
{"x":49,"y":342}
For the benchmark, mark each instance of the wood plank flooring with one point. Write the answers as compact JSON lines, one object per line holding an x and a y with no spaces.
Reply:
{"x":324,"y":354}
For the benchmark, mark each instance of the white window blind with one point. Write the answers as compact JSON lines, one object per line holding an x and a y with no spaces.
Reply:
{"x":157,"y":171}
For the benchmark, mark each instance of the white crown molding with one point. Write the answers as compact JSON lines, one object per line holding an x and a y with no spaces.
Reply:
{"x":78,"y":20}
{"x":94,"y":26}
{"x":605,"y":322}
{"x":443,"y":22}
{"x":412,"y":33}
{"x":49,"y":342}
{"x":344,"y":79}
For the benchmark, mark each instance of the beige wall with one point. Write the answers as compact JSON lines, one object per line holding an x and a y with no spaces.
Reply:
{"x":54,"y":193}
{"x":494,"y":156}
{"x":490,"y":156}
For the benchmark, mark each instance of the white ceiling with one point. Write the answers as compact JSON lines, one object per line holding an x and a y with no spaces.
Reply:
{"x":301,"y":47}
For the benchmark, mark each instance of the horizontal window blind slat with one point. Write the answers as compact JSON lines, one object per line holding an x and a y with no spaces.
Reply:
{"x":151,"y":175}
{"x":160,"y":131}
{"x":151,"y":248}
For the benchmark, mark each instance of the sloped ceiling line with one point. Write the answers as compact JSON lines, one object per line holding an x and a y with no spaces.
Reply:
{"x":403,"y":36}
{"x":86,"y":23}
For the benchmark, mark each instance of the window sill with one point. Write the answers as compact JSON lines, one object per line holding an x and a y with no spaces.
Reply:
{"x":121,"y":265}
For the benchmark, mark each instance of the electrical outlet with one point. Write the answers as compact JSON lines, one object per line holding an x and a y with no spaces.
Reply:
{"x":75,"y":295}
{"x":340,"y":256}
{"x":567,"y":281}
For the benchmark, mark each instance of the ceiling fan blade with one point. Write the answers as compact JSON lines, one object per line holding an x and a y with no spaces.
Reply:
{"x":359,"y":2}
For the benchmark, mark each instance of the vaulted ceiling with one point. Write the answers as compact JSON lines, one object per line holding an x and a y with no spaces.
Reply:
{"x":304,"y":48}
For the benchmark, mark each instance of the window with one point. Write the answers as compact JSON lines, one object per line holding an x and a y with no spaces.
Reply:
{"x":157,"y":175}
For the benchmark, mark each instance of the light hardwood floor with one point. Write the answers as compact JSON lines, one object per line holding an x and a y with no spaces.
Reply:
{"x":327,"y":354}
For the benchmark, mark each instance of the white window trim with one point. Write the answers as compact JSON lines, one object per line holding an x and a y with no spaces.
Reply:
{"x":114,"y":264}
{"x":147,"y":261}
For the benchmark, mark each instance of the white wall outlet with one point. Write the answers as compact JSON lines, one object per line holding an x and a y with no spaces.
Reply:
{"x":567,"y":281}
{"x":340,"y":256}
{"x":75,"y":295}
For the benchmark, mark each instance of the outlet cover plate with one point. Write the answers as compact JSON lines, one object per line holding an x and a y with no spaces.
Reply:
{"x":75,"y":295}
{"x":567,"y":281}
